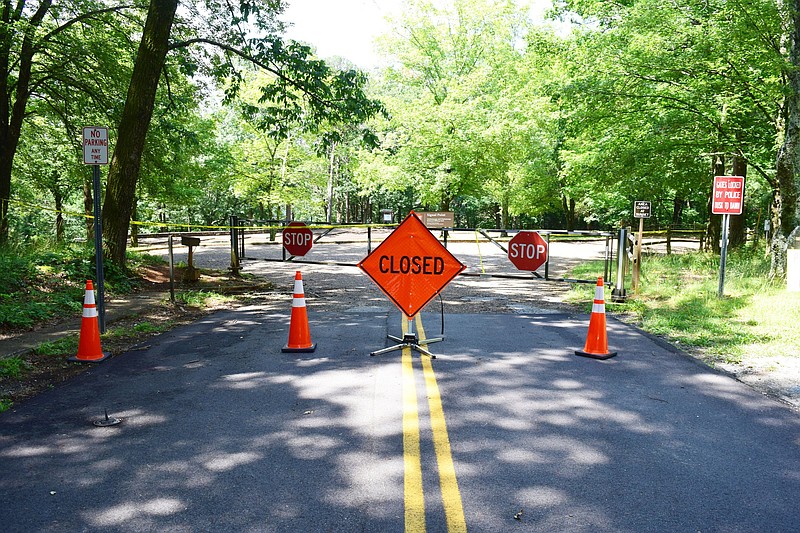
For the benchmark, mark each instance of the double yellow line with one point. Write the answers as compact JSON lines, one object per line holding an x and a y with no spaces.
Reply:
{"x":413,"y":491}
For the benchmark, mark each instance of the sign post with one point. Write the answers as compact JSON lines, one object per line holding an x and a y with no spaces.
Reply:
{"x":411,"y":267}
{"x":727,"y":199}
{"x":641,"y":210}
{"x":95,"y":153}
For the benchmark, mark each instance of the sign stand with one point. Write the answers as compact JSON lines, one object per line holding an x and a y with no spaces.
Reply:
{"x":411,"y":267}
{"x":98,"y":250}
{"x":409,"y":340}
{"x":641,"y":210}
{"x":95,"y":153}
{"x":727,"y":199}
{"x":723,"y":254}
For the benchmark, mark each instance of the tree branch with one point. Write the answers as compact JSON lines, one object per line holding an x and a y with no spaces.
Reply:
{"x":244,"y":55}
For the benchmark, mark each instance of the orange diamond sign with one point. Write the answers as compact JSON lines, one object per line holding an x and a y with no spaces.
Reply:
{"x":411,"y":266}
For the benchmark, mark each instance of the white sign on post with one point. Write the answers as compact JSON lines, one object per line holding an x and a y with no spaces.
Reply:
{"x":95,"y":145}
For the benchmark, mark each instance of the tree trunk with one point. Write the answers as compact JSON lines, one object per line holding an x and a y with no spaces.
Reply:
{"x":677,"y":212}
{"x":6,"y":162}
{"x":569,"y":212}
{"x":737,"y":235}
{"x":329,"y":212}
{"x":123,"y":172}
{"x":59,"y":201}
{"x":784,"y":199}
{"x":88,"y":209}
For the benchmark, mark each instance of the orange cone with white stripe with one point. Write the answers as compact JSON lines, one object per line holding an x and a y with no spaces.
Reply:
{"x":299,"y":334}
{"x":597,"y":340}
{"x":89,"y":350}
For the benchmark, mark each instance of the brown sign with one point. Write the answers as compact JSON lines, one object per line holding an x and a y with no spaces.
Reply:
{"x":437,"y":219}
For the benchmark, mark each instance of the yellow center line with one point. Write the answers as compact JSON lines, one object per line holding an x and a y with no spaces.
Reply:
{"x":412,"y":479}
{"x":451,"y":496}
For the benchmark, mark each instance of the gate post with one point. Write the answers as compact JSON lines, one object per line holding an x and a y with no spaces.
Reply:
{"x":619,"y":294}
{"x":234,"y":220}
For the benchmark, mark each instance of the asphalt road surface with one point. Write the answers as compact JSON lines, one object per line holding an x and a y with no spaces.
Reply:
{"x":505,"y":430}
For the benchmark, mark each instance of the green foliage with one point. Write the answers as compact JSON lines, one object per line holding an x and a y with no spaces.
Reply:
{"x":63,"y":346}
{"x":39,"y":283}
{"x":12,"y":367}
{"x":5,"y":404}
{"x":141,"y":327}
{"x":200,"y":298}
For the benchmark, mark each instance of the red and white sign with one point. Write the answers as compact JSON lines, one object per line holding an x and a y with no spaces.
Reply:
{"x":297,"y":239}
{"x":527,"y":250}
{"x":727,"y":195}
{"x":411,"y":266}
{"x":95,"y":145}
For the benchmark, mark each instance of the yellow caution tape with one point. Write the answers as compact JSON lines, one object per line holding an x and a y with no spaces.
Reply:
{"x":201,"y":226}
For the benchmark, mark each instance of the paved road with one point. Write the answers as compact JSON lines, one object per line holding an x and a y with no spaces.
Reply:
{"x":506,"y":430}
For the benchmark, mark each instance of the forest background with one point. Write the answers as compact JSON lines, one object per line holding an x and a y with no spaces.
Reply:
{"x":477,"y":109}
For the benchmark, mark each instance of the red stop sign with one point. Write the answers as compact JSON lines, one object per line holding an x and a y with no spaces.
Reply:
{"x":297,"y":238}
{"x":527,"y":250}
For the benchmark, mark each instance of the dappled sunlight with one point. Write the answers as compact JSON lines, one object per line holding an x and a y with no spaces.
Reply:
{"x":244,"y":381}
{"x":183,"y":473}
{"x":125,"y":513}
{"x":27,"y":451}
{"x":542,"y":496}
{"x":222,"y":462}
{"x":370,"y":478}
{"x":725,"y":388}
{"x":313,"y":446}
{"x":137,"y":418}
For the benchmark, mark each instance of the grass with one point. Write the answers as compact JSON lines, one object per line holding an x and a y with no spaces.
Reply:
{"x":201,"y":298}
{"x":136,"y":330}
{"x":64,"y":346}
{"x":11,"y":367}
{"x":678,"y":299}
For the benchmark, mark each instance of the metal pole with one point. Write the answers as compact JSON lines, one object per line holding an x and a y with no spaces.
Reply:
{"x":98,"y":250}
{"x":637,"y":266}
{"x":242,"y":248}
{"x":283,"y":248}
{"x":618,"y":294}
{"x":171,"y":270}
{"x":547,"y":263}
{"x":369,"y":240}
{"x":723,"y":254}
{"x":234,"y":245}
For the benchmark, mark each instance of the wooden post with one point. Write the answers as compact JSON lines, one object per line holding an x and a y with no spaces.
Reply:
{"x":637,"y":263}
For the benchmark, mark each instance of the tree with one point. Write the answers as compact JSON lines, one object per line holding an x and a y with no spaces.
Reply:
{"x":785,"y":208}
{"x":461,"y":113}
{"x":35,"y":54}
{"x":336,"y":96}
{"x":720,"y":68}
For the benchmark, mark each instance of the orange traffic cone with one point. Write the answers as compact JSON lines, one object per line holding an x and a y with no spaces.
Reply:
{"x":597,"y":341}
{"x":299,"y":335}
{"x":89,"y":350}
